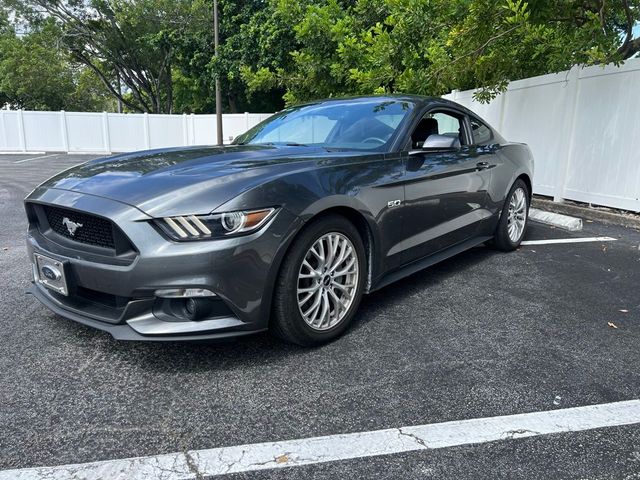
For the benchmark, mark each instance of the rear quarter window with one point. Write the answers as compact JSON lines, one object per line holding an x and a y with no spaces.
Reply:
{"x":481,"y":133}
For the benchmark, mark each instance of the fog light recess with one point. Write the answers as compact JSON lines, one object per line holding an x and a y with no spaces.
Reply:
{"x":196,"y":308}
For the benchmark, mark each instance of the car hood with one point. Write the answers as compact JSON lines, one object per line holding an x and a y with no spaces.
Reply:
{"x":184,"y":181}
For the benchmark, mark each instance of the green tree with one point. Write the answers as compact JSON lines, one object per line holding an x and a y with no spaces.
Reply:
{"x":129,"y":45}
{"x":36,"y":73}
{"x":251,"y":33}
{"x":157,"y":55}
{"x":433,"y":46}
{"x":322,"y":47}
{"x":499,"y":41}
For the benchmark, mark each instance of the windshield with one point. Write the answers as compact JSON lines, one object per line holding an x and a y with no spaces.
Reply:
{"x":348,"y":124}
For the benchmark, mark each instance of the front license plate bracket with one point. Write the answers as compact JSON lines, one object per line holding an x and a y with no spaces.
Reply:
{"x":51,"y":273}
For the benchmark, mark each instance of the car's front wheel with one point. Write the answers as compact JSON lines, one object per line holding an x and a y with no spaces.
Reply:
{"x":320,"y":283}
{"x":514,"y":217}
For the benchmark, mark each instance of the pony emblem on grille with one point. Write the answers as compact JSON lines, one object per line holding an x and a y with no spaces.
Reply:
{"x":71,"y":225}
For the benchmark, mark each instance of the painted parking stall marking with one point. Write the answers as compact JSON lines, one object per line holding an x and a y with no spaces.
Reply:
{"x":37,"y":158}
{"x":307,"y":451}
{"x":568,"y":240}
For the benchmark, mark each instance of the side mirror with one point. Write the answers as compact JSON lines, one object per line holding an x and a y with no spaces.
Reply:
{"x":439,"y":142}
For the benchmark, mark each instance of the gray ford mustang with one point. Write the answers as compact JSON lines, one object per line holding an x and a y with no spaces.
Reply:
{"x":285,"y":229}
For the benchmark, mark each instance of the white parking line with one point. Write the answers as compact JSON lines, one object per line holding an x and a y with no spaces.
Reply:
{"x":306,"y":451}
{"x":37,"y":158}
{"x":569,"y":240}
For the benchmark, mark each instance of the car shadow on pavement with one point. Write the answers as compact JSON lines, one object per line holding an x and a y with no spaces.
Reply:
{"x":398,"y":292}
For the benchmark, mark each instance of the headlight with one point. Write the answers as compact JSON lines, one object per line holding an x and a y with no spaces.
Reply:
{"x":219,"y":225}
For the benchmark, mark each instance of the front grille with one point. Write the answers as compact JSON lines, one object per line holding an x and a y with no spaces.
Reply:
{"x":89,"y":229}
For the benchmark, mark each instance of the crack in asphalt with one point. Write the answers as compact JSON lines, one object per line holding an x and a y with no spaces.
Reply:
{"x":193,"y":466}
{"x":511,"y":434}
{"x":414,"y":437}
{"x":160,"y":470}
{"x":274,"y":460}
{"x":231,"y":464}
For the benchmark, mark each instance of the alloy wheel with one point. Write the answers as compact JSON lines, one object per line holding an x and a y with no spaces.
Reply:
{"x":517,"y":218}
{"x":327,"y":281}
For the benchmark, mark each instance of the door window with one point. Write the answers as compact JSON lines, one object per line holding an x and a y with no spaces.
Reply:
{"x":438,"y":123}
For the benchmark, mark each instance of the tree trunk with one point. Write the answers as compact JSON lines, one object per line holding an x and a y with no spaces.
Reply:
{"x":233,"y":104}
{"x":169,"y":88}
{"x":630,"y":48}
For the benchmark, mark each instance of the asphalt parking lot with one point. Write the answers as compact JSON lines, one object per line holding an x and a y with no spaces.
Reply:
{"x":485,"y":334}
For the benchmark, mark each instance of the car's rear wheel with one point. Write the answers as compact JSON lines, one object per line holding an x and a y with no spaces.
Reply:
{"x":514,"y":217}
{"x":320,"y":283}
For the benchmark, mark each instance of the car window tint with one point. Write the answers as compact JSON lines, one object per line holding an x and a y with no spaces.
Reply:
{"x":481,"y":133}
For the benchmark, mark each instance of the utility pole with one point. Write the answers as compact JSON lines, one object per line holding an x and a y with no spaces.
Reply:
{"x":119,"y":92}
{"x":218,"y":92}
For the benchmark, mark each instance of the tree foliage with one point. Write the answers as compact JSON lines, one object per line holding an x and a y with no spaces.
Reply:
{"x":158,"y":56}
{"x":433,"y":46}
{"x":130,"y":43}
{"x":37,"y":73}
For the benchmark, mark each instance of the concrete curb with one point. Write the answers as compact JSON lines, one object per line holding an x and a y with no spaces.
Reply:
{"x":609,"y":218}
{"x":565,"y":222}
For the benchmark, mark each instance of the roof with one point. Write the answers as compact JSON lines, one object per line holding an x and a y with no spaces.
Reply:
{"x":417,"y":99}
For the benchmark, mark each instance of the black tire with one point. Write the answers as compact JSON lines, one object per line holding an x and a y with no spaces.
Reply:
{"x":501,"y":239}
{"x":287,"y":322}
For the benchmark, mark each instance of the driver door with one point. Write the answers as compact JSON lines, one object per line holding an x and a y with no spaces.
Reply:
{"x":445,"y":189}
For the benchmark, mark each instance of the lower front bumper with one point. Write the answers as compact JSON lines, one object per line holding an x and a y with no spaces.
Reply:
{"x":154,"y":329}
{"x":118,"y":295}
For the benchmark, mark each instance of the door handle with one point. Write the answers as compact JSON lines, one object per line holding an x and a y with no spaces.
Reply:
{"x":482,"y":165}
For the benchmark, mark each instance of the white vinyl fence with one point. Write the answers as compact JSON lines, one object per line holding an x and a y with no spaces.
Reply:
{"x":583,"y":127}
{"x":114,"y":132}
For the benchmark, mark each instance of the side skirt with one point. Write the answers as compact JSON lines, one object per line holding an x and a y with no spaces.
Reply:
{"x":425,"y":262}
